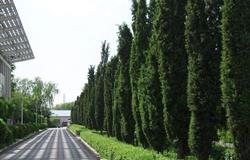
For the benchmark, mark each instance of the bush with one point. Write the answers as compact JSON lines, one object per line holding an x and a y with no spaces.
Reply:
{"x":20,"y":131}
{"x":3,"y":131}
{"x":14,"y":130}
{"x":9,"y":136}
{"x":6,"y":136}
{"x":42,"y":126}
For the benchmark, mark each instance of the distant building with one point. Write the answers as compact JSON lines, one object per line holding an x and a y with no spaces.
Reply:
{"x":63,"y":115}
{"x":14,"y":44}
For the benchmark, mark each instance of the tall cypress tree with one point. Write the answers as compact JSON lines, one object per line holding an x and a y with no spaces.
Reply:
{"x":109,"y":79}
{"x":137,"y":58}
{"x":81,"y":107}
{"x":150,"y":103}
{"x":124,"y":89}
{"x":170,"y":45}
{"x":134,"y":10}
{"x":151,"y":14}
{"x":235,"y":75}
{"x":91,"y":98}
{"x":213,"y":15}
{"x":74,"y":111}
{"x":85,"y":106}
{"x":99,"y":87}
{"x":116,"y":128}
{"x":201,"y":86}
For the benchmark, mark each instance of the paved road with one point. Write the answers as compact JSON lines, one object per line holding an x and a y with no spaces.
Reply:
{"x":52,"y":144}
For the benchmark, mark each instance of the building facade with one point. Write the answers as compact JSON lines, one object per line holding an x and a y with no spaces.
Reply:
{"x":5,"y":78}
{"x":14,"y":44}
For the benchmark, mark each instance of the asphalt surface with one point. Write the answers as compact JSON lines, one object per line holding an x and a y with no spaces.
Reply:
{"x":52,"y":144}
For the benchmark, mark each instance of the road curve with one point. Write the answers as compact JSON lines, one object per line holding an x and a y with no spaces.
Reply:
{"x":52,"y":144}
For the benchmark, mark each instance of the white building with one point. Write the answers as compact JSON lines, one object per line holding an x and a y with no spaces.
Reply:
{"x":14,"y":44}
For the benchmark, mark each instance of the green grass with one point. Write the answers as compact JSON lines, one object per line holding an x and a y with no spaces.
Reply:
{"x":112,"y":149}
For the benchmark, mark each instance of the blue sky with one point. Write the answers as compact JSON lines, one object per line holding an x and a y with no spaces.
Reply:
{"x":66,"y":37}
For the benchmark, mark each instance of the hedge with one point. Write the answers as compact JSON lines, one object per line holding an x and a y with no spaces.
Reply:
{"x":10,"y":133}
{"x":112,"y":149}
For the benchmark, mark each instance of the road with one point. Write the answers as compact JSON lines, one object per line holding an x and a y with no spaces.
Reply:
{"x":52,"y":144}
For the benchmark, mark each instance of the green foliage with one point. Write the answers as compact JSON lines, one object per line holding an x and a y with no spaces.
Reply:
{"x":64,"y":106}
{"x":54,"y":122}
{"x":169,"y":44}
{"x":235,"y":73}
{"x":225,"y":136}
{"x":134,"y":10}
{"x":99,"y":87}
{"x":123,"y":90}
{"x":109,"y":79}
{"x":151,"y":108}
{"x":4,"y":109}
{"x":36,"y":97}
{"x":219,"y":152}
{"x":90,"y":104}
{"x":145,"y":95}
{"x":115,"y":110}
{"x":3,"y":131}
{"x":8,"y":134}
{"x":151,"y":15}
{"x":22,"y":130}
{"x":111,"y":149}
{"x":213,"y":15}
{"x":137,"y":58}
{"x":203,"y":89}
{"x":99,"y":98}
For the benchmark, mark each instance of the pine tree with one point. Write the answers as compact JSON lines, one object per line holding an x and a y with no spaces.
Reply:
{"x":235,"y":75}
{"x":137,"y":58}
{"x":169,"y":44}
{"x":124,"y":88}
{"x":109,"y":79}
{"x":202,"y":57}
{"x":99,"y":87}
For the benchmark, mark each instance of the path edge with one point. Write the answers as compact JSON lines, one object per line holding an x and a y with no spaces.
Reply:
{"x":88,"y":147}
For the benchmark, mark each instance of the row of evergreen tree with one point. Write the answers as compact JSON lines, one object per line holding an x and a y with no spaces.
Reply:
{"x":186,"y":64}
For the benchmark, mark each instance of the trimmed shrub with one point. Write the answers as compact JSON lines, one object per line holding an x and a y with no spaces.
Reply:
{"x":112,"y":149}
{"x":20,"y":131}
{"x":14,"y":130}
{"x":9,"y":136}
{"x":6,"y":136}
{"x":3,"y":131}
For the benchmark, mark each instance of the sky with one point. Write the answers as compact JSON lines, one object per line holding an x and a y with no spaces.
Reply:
{"x":66,"y":38}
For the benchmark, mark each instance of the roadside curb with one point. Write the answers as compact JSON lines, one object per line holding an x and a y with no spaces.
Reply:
{"x":88,"y":147}
{"x":7,"y":148}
